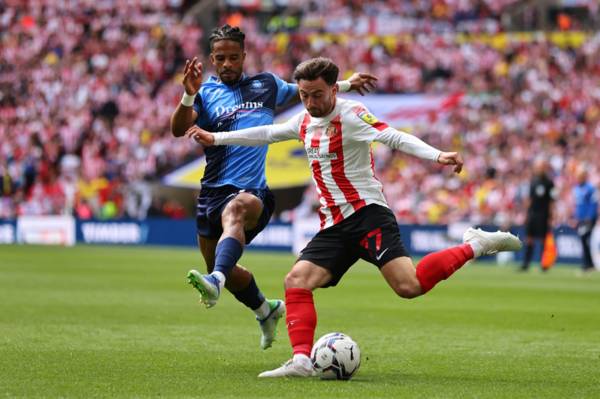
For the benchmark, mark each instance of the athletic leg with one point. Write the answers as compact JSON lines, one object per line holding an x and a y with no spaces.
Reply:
{"x":587,"y":261}
{"x":239,"y":277}
{"x":240,"y":215}
{"x":410,"y":282}
{"x":322,"y":263}
{"x":301,"y":317}
{"x":529,"y":242}
{"x":378,"y":241}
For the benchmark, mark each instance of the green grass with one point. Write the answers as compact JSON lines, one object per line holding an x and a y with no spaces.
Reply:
{"x":121,"y":322}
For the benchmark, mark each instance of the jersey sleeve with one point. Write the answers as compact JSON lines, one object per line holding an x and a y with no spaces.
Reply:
{"x":261,"y":135}
{"x":285,"y":91}
{"x":366,"y":127}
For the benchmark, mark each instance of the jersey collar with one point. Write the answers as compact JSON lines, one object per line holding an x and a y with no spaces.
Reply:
{"x":216,"y":80}
{"x":327,"y":118}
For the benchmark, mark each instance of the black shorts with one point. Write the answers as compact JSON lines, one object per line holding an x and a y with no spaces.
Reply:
{"x":536,"y":226}
{"x":371,"y":234}
{"x":212,"y":201}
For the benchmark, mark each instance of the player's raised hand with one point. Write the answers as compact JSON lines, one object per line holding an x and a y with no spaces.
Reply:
{"x":192,"y":76}
{"x":200,"y":136}
{"x":451,"y":158}
{"x":362,"y":82}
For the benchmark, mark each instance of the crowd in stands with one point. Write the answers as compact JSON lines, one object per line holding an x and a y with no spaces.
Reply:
{"x":382,"y":17}
{"x":87,"y":91}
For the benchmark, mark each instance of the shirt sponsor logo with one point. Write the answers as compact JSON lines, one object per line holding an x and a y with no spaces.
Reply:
{"x":314,"y":153}
{"x":248,"y":105}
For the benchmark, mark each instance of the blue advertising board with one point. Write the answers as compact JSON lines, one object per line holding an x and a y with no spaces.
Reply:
{"x":278,"y":236}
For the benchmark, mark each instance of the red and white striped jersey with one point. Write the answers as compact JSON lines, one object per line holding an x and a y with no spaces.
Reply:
{"x":338,"y":147}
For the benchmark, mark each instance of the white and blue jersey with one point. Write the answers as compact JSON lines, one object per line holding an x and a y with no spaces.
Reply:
{"x":248,"y":103}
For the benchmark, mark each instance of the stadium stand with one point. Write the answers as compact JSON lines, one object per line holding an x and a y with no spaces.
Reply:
{"x":86,"y":91}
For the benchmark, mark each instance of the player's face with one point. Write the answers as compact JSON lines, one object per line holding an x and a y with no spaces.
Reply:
{"x":317,"y":96}
{"x":228,"y":58}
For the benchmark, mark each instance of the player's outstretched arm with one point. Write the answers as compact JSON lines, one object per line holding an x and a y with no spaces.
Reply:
{"x":184,"y":115}
{"x":415,"y":146}
{"x":369,"y":128}
{"x":254,"y":136}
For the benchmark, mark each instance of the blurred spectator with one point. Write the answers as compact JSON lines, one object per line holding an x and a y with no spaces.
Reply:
{"x":138,"y":198}
{"x":84,"y":106}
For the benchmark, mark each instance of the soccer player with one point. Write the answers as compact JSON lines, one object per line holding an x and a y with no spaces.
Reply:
{"x":234,"y":203}
{"x":356,"y":221}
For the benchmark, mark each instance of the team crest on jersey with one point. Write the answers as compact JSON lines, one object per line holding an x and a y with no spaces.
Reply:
{"x":258,"y":86}
{"x":366,"y":115}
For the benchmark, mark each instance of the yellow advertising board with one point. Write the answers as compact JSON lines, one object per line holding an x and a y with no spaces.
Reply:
{"x":286,"y":167}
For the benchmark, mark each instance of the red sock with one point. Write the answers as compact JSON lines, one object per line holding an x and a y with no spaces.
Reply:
{"x":301,"y":318}
{"x":438,"y":266}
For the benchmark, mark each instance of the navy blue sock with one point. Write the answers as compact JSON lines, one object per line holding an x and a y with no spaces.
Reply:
{"x":250,"y":296}
{"x":227,"y":253}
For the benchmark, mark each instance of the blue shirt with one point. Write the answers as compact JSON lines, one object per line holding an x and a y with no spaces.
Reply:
{"x":586,"y":202}
{"x":248,"y":103}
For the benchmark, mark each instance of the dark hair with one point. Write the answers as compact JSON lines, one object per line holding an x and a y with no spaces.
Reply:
{"x":316,"y":68}
{"x":227,"y":32}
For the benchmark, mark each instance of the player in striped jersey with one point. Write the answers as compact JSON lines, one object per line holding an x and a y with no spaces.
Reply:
{"x":356,"y":221}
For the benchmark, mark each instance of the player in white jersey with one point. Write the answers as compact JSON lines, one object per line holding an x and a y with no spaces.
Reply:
{"x":356,"y":221}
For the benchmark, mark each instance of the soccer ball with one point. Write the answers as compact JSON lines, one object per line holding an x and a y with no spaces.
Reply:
{"x":335,"y":356}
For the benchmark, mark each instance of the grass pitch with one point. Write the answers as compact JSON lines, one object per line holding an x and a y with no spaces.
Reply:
{"x":122,"y":322}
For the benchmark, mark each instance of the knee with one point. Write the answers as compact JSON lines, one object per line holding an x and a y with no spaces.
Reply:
{"x":234,"y":212}
{"x":408,"y":289}
{"x":294,"y":280}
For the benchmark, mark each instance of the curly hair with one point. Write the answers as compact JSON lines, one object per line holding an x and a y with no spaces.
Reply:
{"x":227,"y":32}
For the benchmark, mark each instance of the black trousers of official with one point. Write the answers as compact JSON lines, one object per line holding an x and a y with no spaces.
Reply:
{"x":584,"y":230}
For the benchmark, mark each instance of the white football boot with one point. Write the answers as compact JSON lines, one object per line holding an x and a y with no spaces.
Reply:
{"x":490,"y":243}
{"x":291,"y":368}
{"x":268,"y":325}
